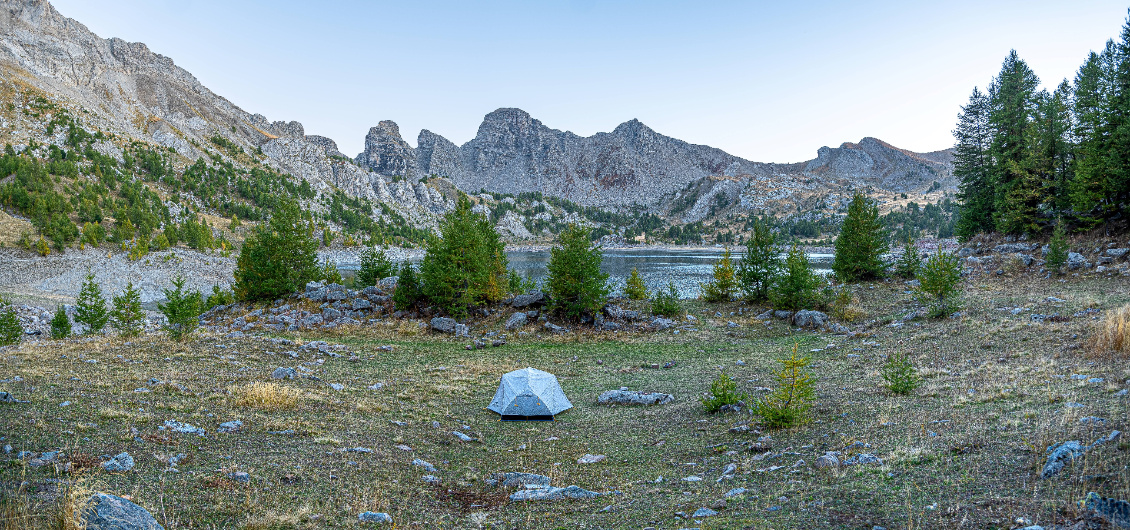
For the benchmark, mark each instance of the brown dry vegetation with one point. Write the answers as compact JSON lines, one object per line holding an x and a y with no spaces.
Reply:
{"x":963,"y":451}
{"x":1111,"y":335}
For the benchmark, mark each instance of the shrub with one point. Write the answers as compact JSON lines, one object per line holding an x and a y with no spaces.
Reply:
{"x":843,"y":305}
{"x":861,"y":243}
{"x":127,"y":316}
{"x":939,"y":279}
{"x":723,"y":391}
{"x":900,"y":375}
{"x":635,"y":288}
{"x":161,"y":242}
{"x":761,"y":263}
{"x":278,"y":258}
{"x":725,"y":284}
{"x":264,"y":396}
{"x":667,"y":303}
{"x":60,"y":324}
{"x":466,"y":266}
{"x":181,"y":309}
{"x":218,"y":297}
{"x":1057,"y":249}
{"x":93,"y":234}
{"x":575,"y":285}
{"x":1112,"y":334}
{"x":41,"y":247}
{"x":375,"y":266}
{"x":329,"y":273}
{"x":789,"y":403}
{"x":798,"y":287}
{"x":90,"y":307}
{"x":407,"y":288}
{"x":909,"y":263}
{"x":10,"y":329}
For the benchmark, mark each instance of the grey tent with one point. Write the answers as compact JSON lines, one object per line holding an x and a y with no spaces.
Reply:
{"x":529,"y":395}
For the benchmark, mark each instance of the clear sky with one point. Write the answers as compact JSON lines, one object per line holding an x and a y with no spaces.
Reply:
{"x":767,"y":81}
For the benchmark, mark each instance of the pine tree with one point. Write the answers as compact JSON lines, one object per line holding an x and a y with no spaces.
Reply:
{"x":789,"y":404}
{"x":10,"y":330}
{"x":972,"y":166}
{"x":279,"y":258}
{"x":1012,"y":100}
{"x":635,"y":288}
{"x":760,"y":264}
{"x":861,"y":243}
{"x":60,"y":324}
{"x":1057,"y":249}
{"x":797,"y":287}
{"x":181,"y":309}
{"x":90,"y":307}
{"x":466,"y":266}
{"x":575,"y":285}
{"x":127,"y":316}
{"x":1094,"y":91}
{"x":725,"y":284}
{"x":407,"y":291}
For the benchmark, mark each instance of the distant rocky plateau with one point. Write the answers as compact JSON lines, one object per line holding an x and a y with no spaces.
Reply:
{"x":125,"y":88}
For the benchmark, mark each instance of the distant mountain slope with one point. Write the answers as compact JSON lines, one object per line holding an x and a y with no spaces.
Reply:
{"x":633,"y":164}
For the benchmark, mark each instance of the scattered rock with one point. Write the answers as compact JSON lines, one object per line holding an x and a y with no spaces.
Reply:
{"x":734,"y":492}
{"x":240,"y":476}
{"x":374,"y":517}
{"x":517,"y":480}
{"x":535,"y":298}
{"x":863,"y":459}
{"x":783,"y":315}
{"x":444,"y":324}
{"x":516,"y":321}
{"x":1075,"y":261}
{"x":1060,"y":455}
{"x":591,"y":459}
{"x":1115,"y":511}
{"x":550,"y":493}
{"x":661,"y":324}
{"x":122,"y":462}
{"x":8,"y":398}
{"x":555,"y":329}
{"x":624,"y":397}
{"x":810,"y":319}
{"x":430,"y":479}
{"x":424,"y":464}
{"x":284,"y":373}
{"x":704,"y":512}
{"x":109,"y":512}
{"x":830,"y":459}
{"x":462,"y":437}
{"x":185,"y":428}
{"x":230,"y":426}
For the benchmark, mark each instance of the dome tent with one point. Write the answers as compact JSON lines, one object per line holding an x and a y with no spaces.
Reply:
{"x":529,"y":395}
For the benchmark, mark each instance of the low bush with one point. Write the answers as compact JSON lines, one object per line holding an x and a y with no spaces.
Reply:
{"x":375,"y":266}
{"x":789,"y":404}
{"x":908,"y":264}
{"x":667,"y":303}
{"x":723,"y":391}
{"x":939,"y":279}
{"x":127,"y":316}
{"x":181,"y":309}
{"x":60,"y":324}
{"x":90,"y":307}
{"x":10,"y":330}
{"x":407,"y":288}
{"x":634,"y":288}
{"x":1057,"y":249}
{"x":900,"y":375}
{"x":724,"y":284}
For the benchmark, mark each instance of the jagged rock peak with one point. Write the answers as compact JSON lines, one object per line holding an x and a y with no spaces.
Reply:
{"x":386,"y":152}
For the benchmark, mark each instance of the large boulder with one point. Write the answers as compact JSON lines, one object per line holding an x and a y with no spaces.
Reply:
{"x":109,"y":512}
{"x":1117,"y":253}
{"x":1075,"y":261}
{"x":628,"y":397}
{"x":535,"y":298}
{"x":810,"y":319}
{"x":444,"y":324}
{"x":516,"y":321}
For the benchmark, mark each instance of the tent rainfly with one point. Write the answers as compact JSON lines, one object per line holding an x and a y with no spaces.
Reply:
{"x":529,"y":395}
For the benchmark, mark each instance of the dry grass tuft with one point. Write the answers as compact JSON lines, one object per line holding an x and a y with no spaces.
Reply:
{"x":1112,"y":334}
{"x":264,"y":396}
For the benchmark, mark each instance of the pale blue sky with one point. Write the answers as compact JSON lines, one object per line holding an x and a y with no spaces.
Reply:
{"x":768,"y":81}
